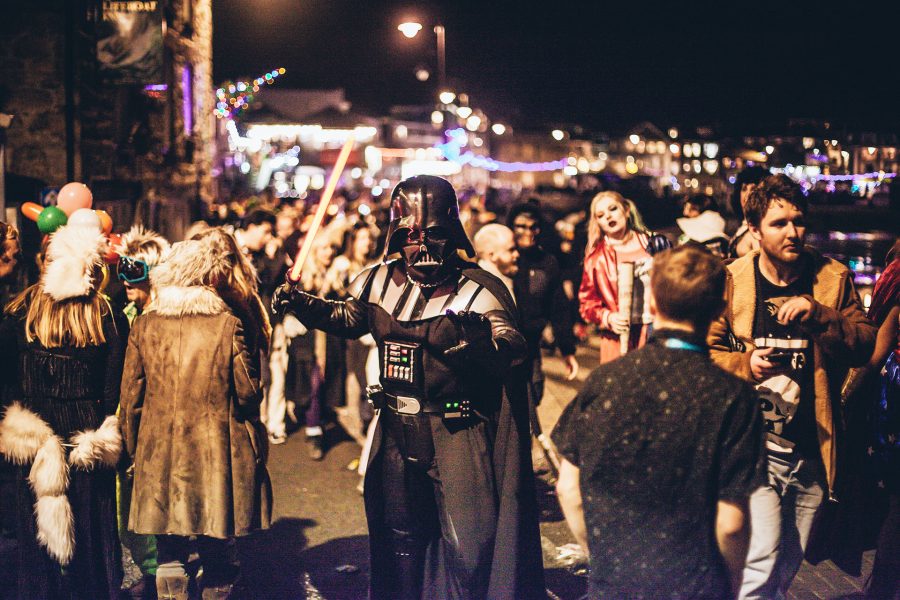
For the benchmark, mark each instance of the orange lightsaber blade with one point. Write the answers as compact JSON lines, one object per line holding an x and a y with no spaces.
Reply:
{"x":297,"y":268}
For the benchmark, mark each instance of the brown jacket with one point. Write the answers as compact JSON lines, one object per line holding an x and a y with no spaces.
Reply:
{"x":842,"y":338}
{"x":190,"y":405}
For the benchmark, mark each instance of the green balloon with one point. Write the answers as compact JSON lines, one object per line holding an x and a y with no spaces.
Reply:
{"x":51,"y":219}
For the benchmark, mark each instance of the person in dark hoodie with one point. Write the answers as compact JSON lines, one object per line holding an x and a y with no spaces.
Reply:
{"x":540,"y":297}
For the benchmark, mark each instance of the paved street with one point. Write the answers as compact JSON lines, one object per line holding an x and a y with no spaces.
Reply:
{"x":317,"y":547}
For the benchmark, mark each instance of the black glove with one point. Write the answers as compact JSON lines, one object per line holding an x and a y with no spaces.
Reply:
{"x":656,"y":243}
{"x":347,"y":318}
{"x":474,"y":331}
{"x":283,"y":297}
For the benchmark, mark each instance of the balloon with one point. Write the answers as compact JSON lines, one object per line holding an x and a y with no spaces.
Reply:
{"x":112,"y":253}
{"x":32,"y":210}
{"x":105,"y":221}
{"x":85,"y":217}
{"x":74,"y":196}
{"x":51,"y":219}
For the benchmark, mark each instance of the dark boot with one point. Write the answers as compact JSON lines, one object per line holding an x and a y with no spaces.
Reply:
{"x":216,"y":592}
{"x":316,"y":446}
{"x":145,"y":589}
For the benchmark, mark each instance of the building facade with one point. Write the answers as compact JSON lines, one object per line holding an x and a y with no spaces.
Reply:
{"x":117,"y":95}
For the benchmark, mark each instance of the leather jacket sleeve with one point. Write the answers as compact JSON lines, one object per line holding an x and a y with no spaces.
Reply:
{"x":343,"y":318}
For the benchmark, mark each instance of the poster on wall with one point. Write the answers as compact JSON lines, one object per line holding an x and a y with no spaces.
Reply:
{"x":130,"y":41}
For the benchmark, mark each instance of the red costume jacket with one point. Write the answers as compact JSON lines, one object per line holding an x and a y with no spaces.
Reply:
{"x":598,"y":297}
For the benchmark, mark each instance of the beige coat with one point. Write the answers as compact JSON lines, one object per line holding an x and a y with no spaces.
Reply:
{"x":842,"y":338}
{"x":190,"y":405}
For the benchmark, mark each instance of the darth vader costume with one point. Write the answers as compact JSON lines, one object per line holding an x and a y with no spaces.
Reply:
{"x":449,"y":488}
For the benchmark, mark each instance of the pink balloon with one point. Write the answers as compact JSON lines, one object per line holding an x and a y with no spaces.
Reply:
{"x":74,"y":196}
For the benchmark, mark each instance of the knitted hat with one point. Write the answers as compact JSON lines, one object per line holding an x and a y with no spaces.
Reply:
{"x":74,"y":252}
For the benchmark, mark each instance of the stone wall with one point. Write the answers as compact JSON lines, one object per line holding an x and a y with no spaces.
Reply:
{"x":31,"y":89}
{"x":122,"y":136}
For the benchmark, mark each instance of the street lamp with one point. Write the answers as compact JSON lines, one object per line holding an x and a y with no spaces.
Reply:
{"x":411,"y":29}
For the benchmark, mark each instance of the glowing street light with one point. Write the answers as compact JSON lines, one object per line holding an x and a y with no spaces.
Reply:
{"x":498,"y":128}
{"x":770,"y":149}
{"x":410,"y":29}
{"x":446,"y":97}
{"x":558,"y":134}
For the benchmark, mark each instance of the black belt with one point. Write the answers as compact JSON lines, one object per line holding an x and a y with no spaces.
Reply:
{"x":408,"y":405}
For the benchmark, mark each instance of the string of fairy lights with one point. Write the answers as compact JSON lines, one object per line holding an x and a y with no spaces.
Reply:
{"x":234,"y":97}
{"x":458,"y":139}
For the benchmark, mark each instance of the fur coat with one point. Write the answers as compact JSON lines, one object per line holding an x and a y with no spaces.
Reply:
{"x":189,"y":405}
{"x":65,"y":439}
{"x":67,"y":400}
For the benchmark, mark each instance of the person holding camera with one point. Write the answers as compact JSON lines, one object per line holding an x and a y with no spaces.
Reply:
{"x":793,"y":326}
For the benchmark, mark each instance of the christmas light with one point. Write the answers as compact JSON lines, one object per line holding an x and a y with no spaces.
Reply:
{"x":234,"y":96}
{"x":457,"y":139}
{"x":876,"y":176}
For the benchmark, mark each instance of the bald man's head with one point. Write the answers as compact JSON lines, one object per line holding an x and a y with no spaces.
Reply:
{"x":495,"y":244}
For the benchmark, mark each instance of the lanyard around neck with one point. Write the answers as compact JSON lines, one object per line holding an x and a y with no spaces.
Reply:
{"x":677,"y":344}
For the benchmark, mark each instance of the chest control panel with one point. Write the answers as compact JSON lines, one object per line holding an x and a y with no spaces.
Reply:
{"x":401,"y":361}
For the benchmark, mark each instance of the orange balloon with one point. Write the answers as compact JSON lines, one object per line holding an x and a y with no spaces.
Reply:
{"x":105,"y":221}
{"x":73,"y":196}
{"x":32,"y":210}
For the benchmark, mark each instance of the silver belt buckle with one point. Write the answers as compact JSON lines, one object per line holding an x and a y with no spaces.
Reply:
{"x":408,"y":406}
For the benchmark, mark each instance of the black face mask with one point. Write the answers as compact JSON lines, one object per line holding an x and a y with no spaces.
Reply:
{"x":428,"y":255}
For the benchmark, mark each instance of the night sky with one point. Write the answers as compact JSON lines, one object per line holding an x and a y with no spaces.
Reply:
{"x":744,"y":67}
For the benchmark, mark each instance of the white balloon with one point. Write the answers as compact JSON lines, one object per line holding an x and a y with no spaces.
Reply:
{"x":84,"y":217}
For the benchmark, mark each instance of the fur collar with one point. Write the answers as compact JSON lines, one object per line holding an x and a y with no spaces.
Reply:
{"x":180,"y":301}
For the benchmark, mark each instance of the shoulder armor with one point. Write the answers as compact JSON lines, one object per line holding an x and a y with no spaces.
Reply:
{"x":474,"y":296}
{"x":362,"y":281}
{"x":486,"y":301}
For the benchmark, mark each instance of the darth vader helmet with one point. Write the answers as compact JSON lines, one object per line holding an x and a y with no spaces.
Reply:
{"x":425,"y":227}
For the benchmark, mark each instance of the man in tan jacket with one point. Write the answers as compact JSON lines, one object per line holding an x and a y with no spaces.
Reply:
{"x":793,"y":326}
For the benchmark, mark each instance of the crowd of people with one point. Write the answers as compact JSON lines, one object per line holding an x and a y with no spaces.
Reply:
{"x":742,"y":390}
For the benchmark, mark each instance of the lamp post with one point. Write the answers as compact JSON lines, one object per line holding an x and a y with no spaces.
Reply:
{"x":411,"y":29}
